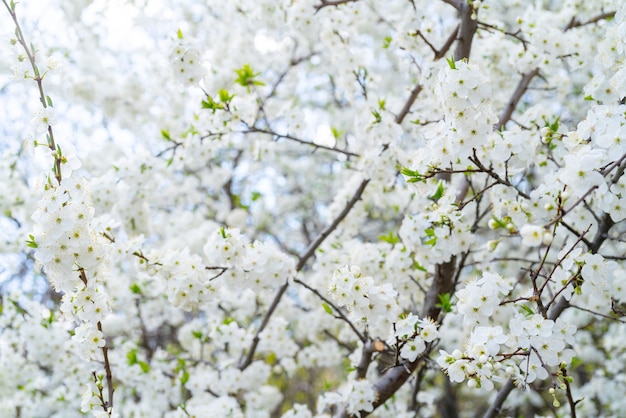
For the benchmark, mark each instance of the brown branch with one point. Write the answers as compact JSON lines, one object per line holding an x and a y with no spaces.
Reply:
{"x":366,"y":359}
{"x":496,"y":407}
{"x":440,"y":53}
{"x":340,"y":314}
{"x":326,"y":3}
{"x":308,"y":253}
{"x":575,"y":23}
{"x":407,"y":106}
{"x":244,"y":362}
{"x":254,"y":129}
{"x":568,"y":391}
{"x":107,"y":370}
{"x":330,"y":228}
{"x":474,"y":159}
{"x":467,"y":30}
{"x":521,"y":88}
{"x":38,"y":77}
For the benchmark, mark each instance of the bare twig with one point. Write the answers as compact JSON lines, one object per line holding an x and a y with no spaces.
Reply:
{"x":575,"y":23}
{"x":327,"y":3}
{"x":246,"y":360}
{"x":474,"y":159}
{"x":330,"y":228}
{"x":253,"y":129}
{"x":521,"y":88}
{"x":407,"y":106}
{"x":340,"y":314}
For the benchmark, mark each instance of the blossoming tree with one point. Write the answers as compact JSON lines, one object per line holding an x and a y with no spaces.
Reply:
{"x":298,"y":208}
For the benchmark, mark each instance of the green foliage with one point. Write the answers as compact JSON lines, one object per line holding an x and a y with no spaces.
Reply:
{"x":444,"y":302}
{"x":391,"y":238}
{"x":247,"y":77}
{"x":437,"y":195}
{"x":132,"y":358}
{"x":327,"y":308}
{"x":413,"y":176}
{"x":135,"y":288}
{"x":31,"y":242}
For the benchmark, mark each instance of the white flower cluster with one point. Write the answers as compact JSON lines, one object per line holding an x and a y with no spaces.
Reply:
{"x":479,"y":298}
{"x":361,"y":397}
{"x":186,"y":62}
{"x":465,"y":93}
{"x":184,"y":278}
{"x":251,"y":265}
{"x":438,"y":231}
{"x":369,"y":304}
{"x":63,"y":235}
{"x":535,"y":343}
{"x":411,"y":335}
{"x":72,"y":255}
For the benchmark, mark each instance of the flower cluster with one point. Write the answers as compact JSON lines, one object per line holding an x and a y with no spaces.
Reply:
{"x":411,"y":335}
{"x":469,"y":117}
{"x":186,"y":61}
{"x":479,"y":298}
{"x":251,"y":265}
{"x":370,"y":305}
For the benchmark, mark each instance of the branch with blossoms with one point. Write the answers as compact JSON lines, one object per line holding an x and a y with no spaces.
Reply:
{"x":61,"y":203}
{"x":246,"y":360}
{"x":45,"y":118}
{"x":332,"y":3}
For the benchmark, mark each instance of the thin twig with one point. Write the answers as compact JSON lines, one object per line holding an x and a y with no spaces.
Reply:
{"x":246,"y":360}
{"x":520,"y":90}
{"x":407,"y":106}
{"x":340,"y":314}
{"x":254,"y":129}
{"x":575,"y":23}
{"x":327,"y":3}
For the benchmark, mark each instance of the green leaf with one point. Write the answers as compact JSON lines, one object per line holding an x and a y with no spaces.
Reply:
{"x":131,"y":356}
{"x":166,"y":135}
{"x":327,"y":308}
{"x":247,"y":77}
{"x":49,"y":100}
{"x":437,"y":195}
{"x":377,"y":116}
{"x":387,"y":41}
{"x":444,"y":302}
{"x":413,"y":176}
{"x":527,"y":310}
{"x":135,"y":289}
{"x":145,"y":367}
{"x":589,"y":98}
{"x":179,"y":34}
{"x":223,"y":232}
{"x":224,"y":96}
{"x":197,"y":334}
{"x":451,"y":63}
{"x":418,"y":266}
{"x":31,"y":242}
{"x":184,"y":378}
{"x":211,"y":104}
{"x":256,"y":196}
{"x":391,"y":238}
{"x":336,"y":132}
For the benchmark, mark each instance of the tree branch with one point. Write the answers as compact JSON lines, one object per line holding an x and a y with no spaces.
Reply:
{"x":253,"y":129}
{"x":326,"y":3}
{"x":308,"y":253}
{"x":407,"y":106}
{"x":467,"y":30}
{"x":521,"y":88}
